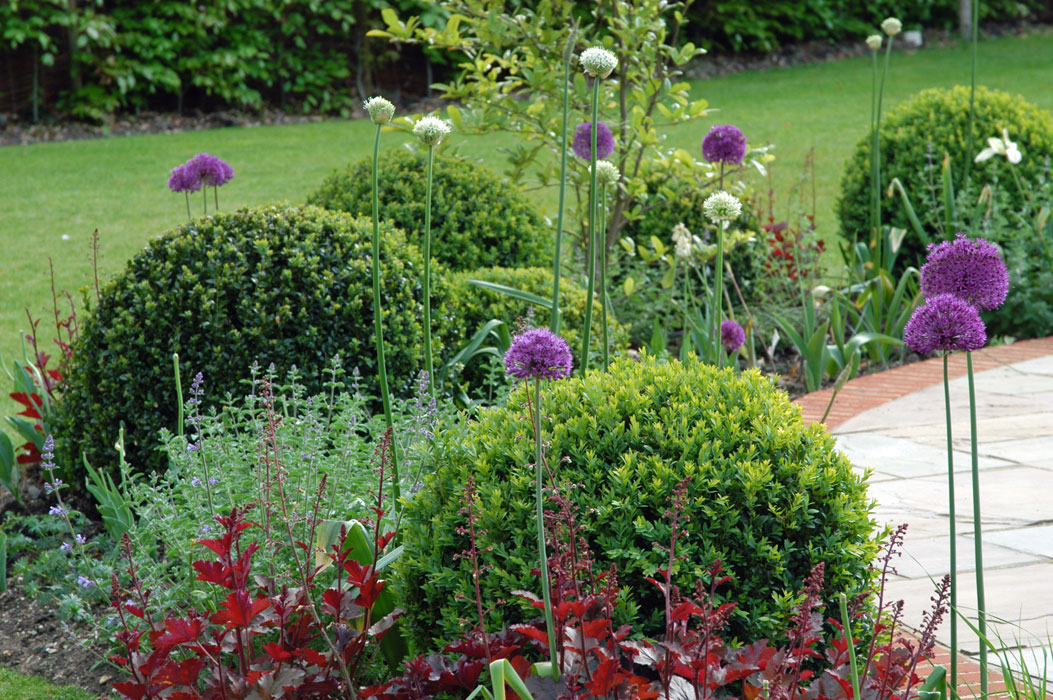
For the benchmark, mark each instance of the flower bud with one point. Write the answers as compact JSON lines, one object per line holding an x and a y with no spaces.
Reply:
{"x":431,"y":130}
{"x":892,"y":26}
{"x":874,"y":42}
{"x":380,"y":110}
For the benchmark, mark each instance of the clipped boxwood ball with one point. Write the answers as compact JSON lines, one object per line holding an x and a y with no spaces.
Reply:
{"x":467,"y":308}
{"x":768,"y":496}
{"x":270,"y":285}
{"x":477,"y":218}
{"x":941,"y":117}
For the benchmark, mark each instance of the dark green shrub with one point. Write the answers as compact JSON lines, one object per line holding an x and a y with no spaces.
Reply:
{"x":270,"y":285}
{"x":940,"y":117}
{"x":768,"y":496}
{"x":477,"y":218}
{"x":468,"y":307}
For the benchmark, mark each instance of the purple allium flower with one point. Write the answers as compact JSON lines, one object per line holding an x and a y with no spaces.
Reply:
{"x":538,"y":353}
{"x":947,"y":323}
{"x":85,"y":582}
{"x":212,"y":171}
{"x":583,"y":140}
{"x":731,"y":335}
{"x":58,"y":510}
{"x":969,"y":268}
{"x":183,"y":178}
{"x":724,"y":143}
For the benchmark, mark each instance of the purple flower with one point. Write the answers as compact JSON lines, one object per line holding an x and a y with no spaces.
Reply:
{"x":724,"y":143}
{"x":731,"y":335}
{"x":80,"y":538}
{"x":971,"y":269}
{"x":201,"y":170}
{"x":58,"y":510}
{"x":195,"y":481}
{"x":183,"y":178}
{"x":66,"y":547}
{"x":947,"y":323}
{"x":538,"y":353}
{"x":583,"y":140}
{"x":85,"y":582}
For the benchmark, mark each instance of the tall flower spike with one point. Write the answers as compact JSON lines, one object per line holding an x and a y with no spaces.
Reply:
{"x":582,"y":144}
{"x":538,"y":353}
{"x":946,"y":323}
{"x":725,"y":143}
{"x":597,"y":62}
{"x":722,"y":206}
{"x":380,"y":110}
{"x":431,"y":130}
{"x":971,"y":269}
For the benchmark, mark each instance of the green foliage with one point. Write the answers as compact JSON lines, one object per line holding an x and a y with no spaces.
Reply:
{"x":16,"y":685}
{"x":767,"y":496}
{"x":477,"y":220}
{"x":468,"y":307}
{"x":270,"y":285}
{"x":941,"y":118}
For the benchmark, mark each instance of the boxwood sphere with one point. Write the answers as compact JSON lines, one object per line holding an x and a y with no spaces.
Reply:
{"x":274,"y":285}
{"x":477,"y":219}
{"x":768,"y":496}
{"x":941,"y":117}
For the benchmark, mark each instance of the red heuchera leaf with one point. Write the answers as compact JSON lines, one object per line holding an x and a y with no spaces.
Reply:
{"x":31,"y":455}
{"x":239,"y":610}
{"x":275,"y":651}
{"x":212,"y":572}
{"x":130,"y":689}
{"x":183,"y":673}
{"x":31,"y":402}
{"x":180,"y":631}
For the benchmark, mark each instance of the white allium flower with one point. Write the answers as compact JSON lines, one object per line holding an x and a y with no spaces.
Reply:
{"x":380,"y":110}
{"x":598,"y":62}
{"x":606,"y":172}
{"x":892,"y":26}
{"x":431,"y":130}
{"x":874,"y":42}
{"x":683,"y":239}
{"x":722,"y":206}
{"x":1000,"y":147}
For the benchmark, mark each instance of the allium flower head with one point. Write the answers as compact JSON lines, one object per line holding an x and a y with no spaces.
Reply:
{"x":582,"y":144}
{"x":538,"y":353}
{"x":1000,"y":147}
{"x":874,"y":42}
{"x":380,"y":110}
{"x":209,"y":170}
{"x":731,"y":335}
{"x":969,"y":268}
{"x":183,"y":179}
{"x":597,"y":62}
{"x":892,"y":26}
{"x":946,"y":323}
{"x":722,"y":206}
{"x":725,"y":143}
{"x":431,"y":130}
{"x":606,"y":171}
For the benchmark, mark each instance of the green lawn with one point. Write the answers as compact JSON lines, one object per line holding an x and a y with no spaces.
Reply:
{"x":54,"y":195}
{"x":14,"y":686}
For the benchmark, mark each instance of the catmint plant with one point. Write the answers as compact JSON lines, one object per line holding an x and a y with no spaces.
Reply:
{"x":380,"y":112}
{"x":540,"y":354}
{"x":598,"y":63}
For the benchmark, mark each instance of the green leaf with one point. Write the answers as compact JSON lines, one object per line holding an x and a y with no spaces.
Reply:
{"x":629,"y":286}
{"x":454,"y":113}
{"x":8,"y":466}
{"x":543,"y":302}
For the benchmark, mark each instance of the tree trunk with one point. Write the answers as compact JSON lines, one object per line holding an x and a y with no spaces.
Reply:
{"x":965,"y":19}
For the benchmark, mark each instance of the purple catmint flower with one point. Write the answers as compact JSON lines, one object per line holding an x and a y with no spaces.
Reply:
{"x":58,"y":510}
{"x":212,"y":481}
{"x":195,"y":481}
{"x":583,"y":140}
{"x":66,"y":547}
{"x":538,"y":353}
{"x":85,"y":582}
{"x":946,"y":323}
{"x":725,"y":143}
{"x":969,"y":268}
{"x":81,"y":539}
{"x":731,"y":335}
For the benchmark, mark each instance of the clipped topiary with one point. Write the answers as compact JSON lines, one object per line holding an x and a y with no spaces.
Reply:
{"x":477,"y":218}
{"x":940,"y":117}
{"x":768,"y":496}
{"x":270,"y":285}
{"x":468,"y":307}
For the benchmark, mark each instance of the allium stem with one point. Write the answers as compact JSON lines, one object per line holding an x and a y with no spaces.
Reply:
{"x":179,"y":395}
{"x":542,"y":552}
{"x":215,"y":194}
{"x":951,"y":512}
{"x":971,"y":136}
{"x":981,"y":607}
{"x":603,"y":278}
{"x":850,"y":644}
{"x":428,"y":364}
{"x":876,"y":159}
{"x":717,"y":295}
{"x":592,"y":231}
{"x":557,"y":264}
{"x":189,"y":216}
{"x":378,"y":326}
{"x":204,"y":198}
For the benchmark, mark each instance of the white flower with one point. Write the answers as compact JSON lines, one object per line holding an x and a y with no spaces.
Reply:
{"x":598,"y":62}
{"x":606,"y":172}
{"x":874,"y":42}
{"x":722,"y":206}
{"x":892,"y":26}
{"x":431,"y":130}
{"x":683,"y":239}
{"x":1000,"y":147}
{"x":380,"y":110}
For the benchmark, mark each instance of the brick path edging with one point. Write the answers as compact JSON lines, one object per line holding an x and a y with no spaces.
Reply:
{"x":872,"y":390}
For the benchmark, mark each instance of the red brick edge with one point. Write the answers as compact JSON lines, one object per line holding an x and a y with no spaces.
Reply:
{"x":870,"y":391}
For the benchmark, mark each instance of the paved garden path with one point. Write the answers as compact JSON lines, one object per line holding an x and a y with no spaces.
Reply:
{"x":893,"y":424}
